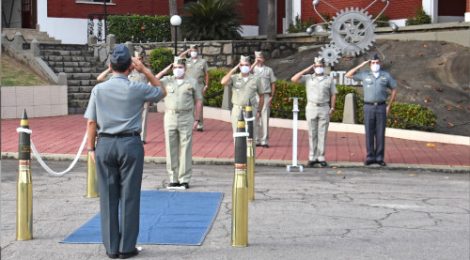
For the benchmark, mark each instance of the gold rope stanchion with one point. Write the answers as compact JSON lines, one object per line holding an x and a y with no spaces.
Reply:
{"x":24,"y":192}
{"x":240,"y":189}
{"x":250,"y":152}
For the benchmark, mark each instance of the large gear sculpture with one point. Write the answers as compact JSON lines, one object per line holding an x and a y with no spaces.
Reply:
{"x":352,"y":30}
{"x":330,"y":54}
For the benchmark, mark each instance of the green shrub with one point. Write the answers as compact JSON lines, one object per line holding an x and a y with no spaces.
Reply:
{"x":215,"y":91}
{"x":382,"y":21}
{"x":411,"y":116}
{"x":212,"y":20}
{"x":404,"y":116}
{"x":139,"y":28}
{"x":299,"y":26}
{"x":420,"y":18}
{"x":160,"y":58}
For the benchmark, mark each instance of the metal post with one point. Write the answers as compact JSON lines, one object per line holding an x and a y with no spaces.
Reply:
{"x":240,"y":189}
{"x":176,"y":40}
{"x":24,"y":192}
{"x":295,"y":111}
{"x":105,"y":19}
{"x":250,"y":152}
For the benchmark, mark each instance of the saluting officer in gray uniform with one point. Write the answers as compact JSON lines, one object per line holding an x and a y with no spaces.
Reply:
{"x":376,"y":84}
{"x":182,"y":105}
{"x":140,"y":77}
{"x":196,"y":67}
{"x":268,"y":80}
{"x":321,"y":100}
{"x":245,"y":87}
{"x":114,"y":113}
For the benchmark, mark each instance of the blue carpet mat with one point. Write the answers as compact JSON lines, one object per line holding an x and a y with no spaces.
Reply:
{"x":166,"y":218}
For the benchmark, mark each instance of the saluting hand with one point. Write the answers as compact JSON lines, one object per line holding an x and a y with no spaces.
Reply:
{"x":138,"y":65}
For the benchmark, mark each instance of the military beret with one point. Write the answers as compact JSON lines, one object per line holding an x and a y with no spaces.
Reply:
{"x":319,"y":61}
{"x":244,"y":58}
{"x":120,"y":54}
{"x":179,"y":60}
{"x":259,"y":54}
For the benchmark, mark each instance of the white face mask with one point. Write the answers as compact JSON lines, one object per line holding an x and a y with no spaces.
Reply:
{"x":193,"y":54}
{"x":245,"y":69}
{"x":375,"y":67}
{"x":178,"y":72}
{"x":319,"y":70}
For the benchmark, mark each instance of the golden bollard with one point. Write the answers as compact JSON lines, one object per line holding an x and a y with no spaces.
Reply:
{"x":91,"y":179}
{"x":240,"y":189}
{"x":24,"y":191}
{"x":250,"y":152}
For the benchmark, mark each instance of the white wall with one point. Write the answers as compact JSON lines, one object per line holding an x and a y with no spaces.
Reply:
{"x":430,"y":8}
{"x":450,"y":19}
{"x":68,"y":30}
{"x":250,"y":30}
{"x":296,"y":9}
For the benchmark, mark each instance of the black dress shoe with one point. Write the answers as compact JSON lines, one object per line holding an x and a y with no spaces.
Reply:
{"x":323,"y":164}
{"x":258,"y":145}
{"x":381,"y":163}
{"x":185,"y":185}
{"x":311,"y":163}
{"x":368,"y":162}
{"x":265,"y":145}
{"x":112,"y":256}
{"x":129,"y":254}
{"x":200,"y":129}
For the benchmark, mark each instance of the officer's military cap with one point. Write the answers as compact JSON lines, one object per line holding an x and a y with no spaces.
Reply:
{"x":319,"y":61}
{"x":193,"y":46}
{"x":179,"y":60}
{"x":244,"y":58}
{"x":259,"y":54}
{"x":120,"y":54}
{"x":375,"y":56}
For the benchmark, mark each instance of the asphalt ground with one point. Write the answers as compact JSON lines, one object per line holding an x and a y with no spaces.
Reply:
{"x":332,"y":213}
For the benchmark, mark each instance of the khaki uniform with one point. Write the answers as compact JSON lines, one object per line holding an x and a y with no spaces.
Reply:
{"x":244,"y":90}
{"x":140,"y":77}
{"x":178,"y":123}
{"x":319,"y":92}
{"x":267,"y":77}
{"x":196,"y":69}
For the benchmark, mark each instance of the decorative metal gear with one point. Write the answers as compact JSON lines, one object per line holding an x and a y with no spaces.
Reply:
{"x":330,"y":54}
{"x":352,"y":31}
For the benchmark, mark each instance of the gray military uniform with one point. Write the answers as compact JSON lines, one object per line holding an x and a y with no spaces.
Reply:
{"x":242,"y":92}
{"x":178,"y":121}
{"x":196,"y":69}
{"x":319,"y":92}
{"x":375,"y":114}
{"x":140,"y":77}
{"x":267,"y":77}
{"x":116,"y":106}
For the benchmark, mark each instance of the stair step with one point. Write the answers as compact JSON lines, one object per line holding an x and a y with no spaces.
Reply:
{"x":82,"y":76}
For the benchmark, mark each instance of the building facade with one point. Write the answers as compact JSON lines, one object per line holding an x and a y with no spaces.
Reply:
{"x":67,"y":20}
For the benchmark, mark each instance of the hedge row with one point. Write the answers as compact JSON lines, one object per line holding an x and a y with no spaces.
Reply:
{"x":402,"y":115}
{"x":139,"y":28}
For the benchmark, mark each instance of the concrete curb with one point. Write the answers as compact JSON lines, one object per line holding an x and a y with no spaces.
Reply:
{"x":273,"y":163}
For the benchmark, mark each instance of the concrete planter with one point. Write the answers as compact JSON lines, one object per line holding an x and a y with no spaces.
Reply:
{"x":39,"y":101}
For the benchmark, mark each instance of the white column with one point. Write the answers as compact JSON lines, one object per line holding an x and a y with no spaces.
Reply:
{"x":297,"y":9}
{"x":467,"y":11}
{"x":430,"y":7}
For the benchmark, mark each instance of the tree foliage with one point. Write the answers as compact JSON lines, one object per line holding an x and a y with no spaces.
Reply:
{"x":212,"y":20}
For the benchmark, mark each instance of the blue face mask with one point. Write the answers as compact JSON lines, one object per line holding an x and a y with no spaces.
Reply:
{"x":244,"y":69}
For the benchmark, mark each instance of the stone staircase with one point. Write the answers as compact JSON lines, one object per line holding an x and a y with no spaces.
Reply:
{"x":81,"y":67}
{"x":30,"y":34}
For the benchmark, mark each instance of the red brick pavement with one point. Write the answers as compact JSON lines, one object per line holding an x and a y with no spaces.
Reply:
{"x":63,"y":134}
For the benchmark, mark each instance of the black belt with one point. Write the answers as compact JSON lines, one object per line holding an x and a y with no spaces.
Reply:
{"x":119,"y":135}
{"x":375,"y":103}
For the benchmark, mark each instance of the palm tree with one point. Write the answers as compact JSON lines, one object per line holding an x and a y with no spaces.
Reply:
{"x":212,"y":20}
